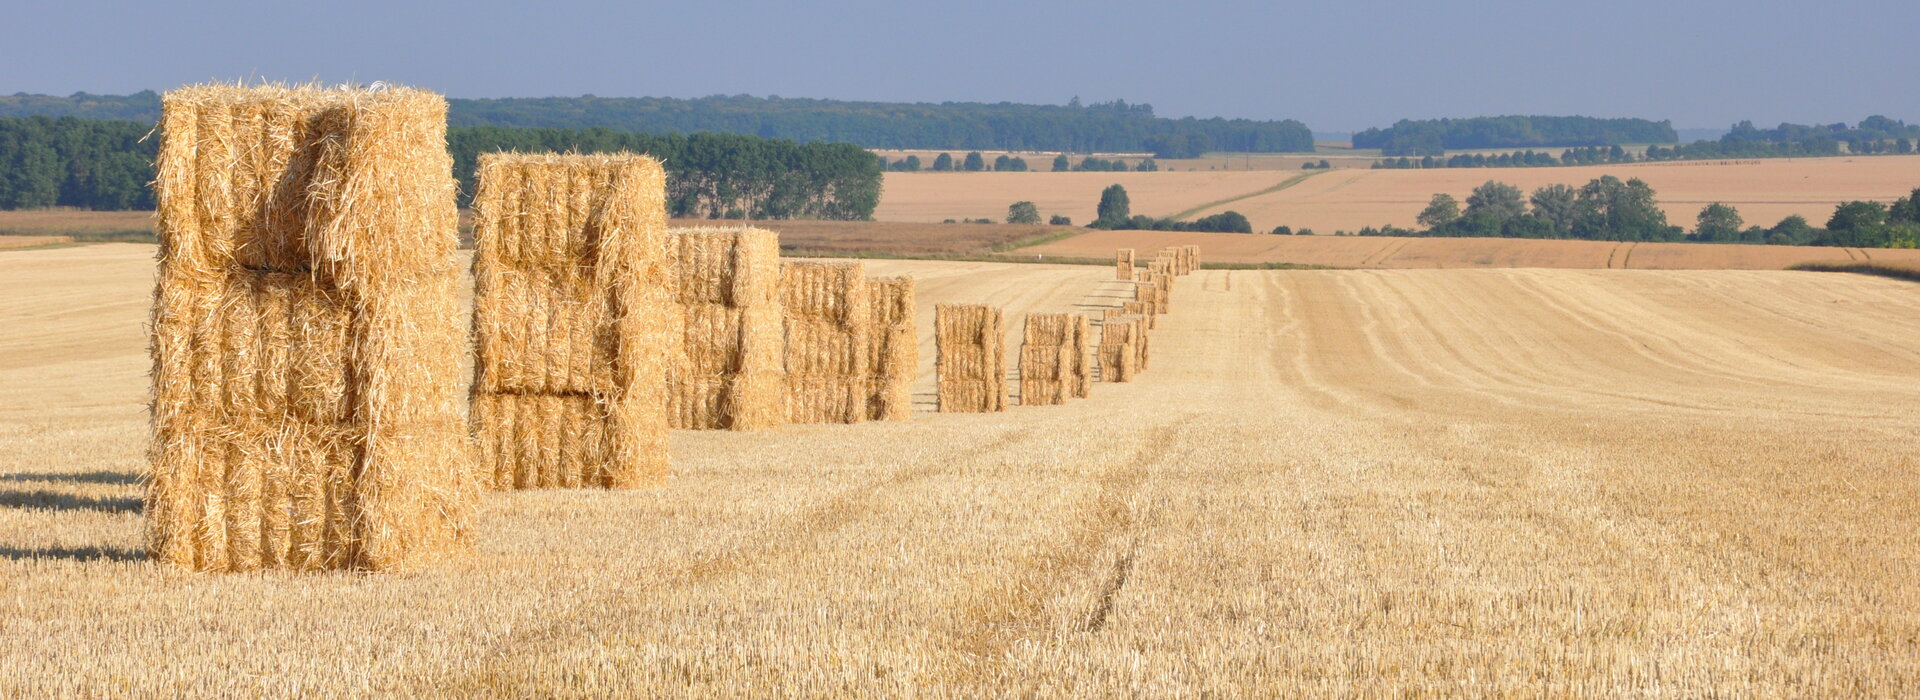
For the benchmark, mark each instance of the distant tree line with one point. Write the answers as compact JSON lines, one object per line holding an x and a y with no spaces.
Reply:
{"x":100,"y":164}
{"x":1111,"y":127}
{"x":974,"y":162}
{"x":1609,"y":209}
{"x":1434,"y":137}
{"x":1874,"y":135}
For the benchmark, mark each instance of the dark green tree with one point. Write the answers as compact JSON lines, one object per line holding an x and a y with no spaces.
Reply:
{"x":943,"y":163}
{"x":1443,"y":209}
{"x":1114,"y":208}
{"x":1556,"y":205}
{"x":1498,"y":199}
{"x":1003,"y":163}
{"x":975,"y":163}
{"x":1718,"y":223}
{"x":1023,"y":213}
{"x":1060,"y":163}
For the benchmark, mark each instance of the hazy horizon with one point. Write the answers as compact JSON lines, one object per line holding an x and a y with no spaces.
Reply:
{"x":1336,"y":68}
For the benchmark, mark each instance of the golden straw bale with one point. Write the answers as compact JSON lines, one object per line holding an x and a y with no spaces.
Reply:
{"x":1077,"y":355}
{"x":306,"y":410}
{"x":971,"y":366}
{"x":575,"y":321}
{"x":1123,"y":264}
{"x":894,"y":355}
{"x":829,"y":322}
{"x":731,"y":373}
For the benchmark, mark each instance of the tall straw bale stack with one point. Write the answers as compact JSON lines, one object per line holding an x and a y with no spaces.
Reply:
{"x":1119,"y":350}
{"x":829,"y":327}
{"x":971,"y":366}
{"x":1050,"y":362}
{"x":731,"y":370}
{"x":1193,"y":258}
{"x":305,"y":336}
{"x":1123,"y":264}
{"x":574,"y":316}
{"x":1162,"y":291}
{"x":1143,"y":309}
{"x":1083,"y":365}
{"x":893,"y":358}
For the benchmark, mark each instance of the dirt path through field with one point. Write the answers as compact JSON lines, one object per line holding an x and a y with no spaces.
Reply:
{"x":1383,"y":482}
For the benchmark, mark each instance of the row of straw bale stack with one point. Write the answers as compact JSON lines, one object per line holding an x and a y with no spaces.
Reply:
{"x":730,"y":373}
{"x":971,"y":366}
{"x":305,"y":410}
{"x":1053,"y":359}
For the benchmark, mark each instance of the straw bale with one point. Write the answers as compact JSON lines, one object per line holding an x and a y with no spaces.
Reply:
{"x":893,"y":358}
{"x":305,"y":408}
{"x":575,"y":322}
{"x":829,"y":322}
{"x":1077,"y":350}
{"x":1123,"y":264}
{"x":1143,"y":309}
{"x":1162,"y":291}
{"x":971,"y":366}
{"x":731,"y":371}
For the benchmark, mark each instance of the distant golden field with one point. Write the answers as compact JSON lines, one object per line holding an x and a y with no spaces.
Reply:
{"x":1764,"y":191}
{"x":1467,"y":483}
{"x":1404,"y":252}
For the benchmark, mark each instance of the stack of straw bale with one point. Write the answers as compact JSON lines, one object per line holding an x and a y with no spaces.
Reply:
{"x":971,"y":367}
{"x":893,"y":358}
{"x":1143,"y":309}
{"x":305,"y":332}
{"x":575,"y":321}
{"x":1123,"y":264}
{"x":829,"y":327}
{"x":1193,"y":258}
{"x":1052,"y":359}
{"x":1083,"y":364}
{"x":1162,"y":290}
{"x":1121,"y":343}
{"x":730,"y":373}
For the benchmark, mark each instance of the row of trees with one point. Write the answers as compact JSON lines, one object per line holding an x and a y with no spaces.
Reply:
{"x":1110,"y":127}
{"x":1434,"y":137}
{"x":1115,"y":211}
{"x":1607,"y":208}
{"x":96,"y":164}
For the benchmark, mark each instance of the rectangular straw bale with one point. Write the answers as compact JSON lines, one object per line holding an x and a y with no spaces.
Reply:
{"x":1121,"y":337}
{"x":1162,"y":291}
{"x":306,"y":411}
{"x":731,"y":370}
{"x":971,"y":366}
{"x":1047,"y":364}
{"x":1143,"y":309}
{"x":894,"y":354}
{"x":829,"y":327}
{"x":575,"y":321}
{"x":1123,"y":264}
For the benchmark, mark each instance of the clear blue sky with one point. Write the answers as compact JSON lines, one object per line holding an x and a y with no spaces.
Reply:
{"x":1335,"y":65}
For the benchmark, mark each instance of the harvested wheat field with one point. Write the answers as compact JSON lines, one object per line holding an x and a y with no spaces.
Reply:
{"x":1350,"y":199}
{"x":1403,"y":252}
{"x":1382,"y":482}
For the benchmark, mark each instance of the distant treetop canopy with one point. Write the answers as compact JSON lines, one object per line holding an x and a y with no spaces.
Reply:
{"x":1111,"y":127}
{"x":1433,"y":136}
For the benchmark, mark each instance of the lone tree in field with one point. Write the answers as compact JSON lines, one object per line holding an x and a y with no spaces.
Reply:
{"x":1061,"y":164}
{"x":975,"y":163}
{"x":943,"y":163}
{"x":1718,"y":222}
{"x":1023,"y":213}
{"x":1114,"y":210}
{"x":1440,"y":212}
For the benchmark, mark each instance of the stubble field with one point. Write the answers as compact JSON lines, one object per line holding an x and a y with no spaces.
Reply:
{"x":1394,"y":482}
